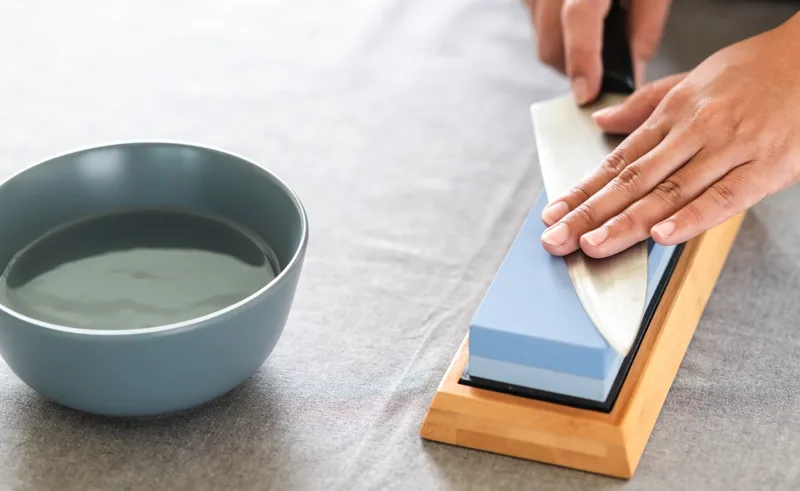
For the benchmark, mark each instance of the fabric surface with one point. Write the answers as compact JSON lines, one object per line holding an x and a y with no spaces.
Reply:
{"x":404,"y":127}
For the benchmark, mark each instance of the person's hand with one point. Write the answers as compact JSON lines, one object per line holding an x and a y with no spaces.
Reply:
{"x":704,"y":146}
{"x":570,"y":37}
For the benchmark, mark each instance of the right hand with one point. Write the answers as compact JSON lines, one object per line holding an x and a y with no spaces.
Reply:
{"x":570,"y":37}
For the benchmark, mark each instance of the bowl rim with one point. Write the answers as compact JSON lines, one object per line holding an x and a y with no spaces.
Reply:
{"x":196,"y":321}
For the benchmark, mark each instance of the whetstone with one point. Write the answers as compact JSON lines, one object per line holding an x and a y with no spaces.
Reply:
{"x":609,"y":443}
{"x":532,"y":335}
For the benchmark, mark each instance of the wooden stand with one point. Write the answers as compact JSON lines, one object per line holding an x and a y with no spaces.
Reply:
{"x":604,"y":443}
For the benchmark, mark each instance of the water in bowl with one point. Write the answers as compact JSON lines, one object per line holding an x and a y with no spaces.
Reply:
{"x":136,"y":269}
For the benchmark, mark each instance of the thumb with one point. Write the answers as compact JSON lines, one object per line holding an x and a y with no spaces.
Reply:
{"x":624,"y":118}
{"x":582,"y":24}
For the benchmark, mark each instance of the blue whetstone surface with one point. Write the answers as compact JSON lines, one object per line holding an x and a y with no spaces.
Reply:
{"x":531,"y":328}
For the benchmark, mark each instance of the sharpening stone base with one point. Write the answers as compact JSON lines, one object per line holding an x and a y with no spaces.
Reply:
{"x":609,"y":443}
{"x":532,"y":337}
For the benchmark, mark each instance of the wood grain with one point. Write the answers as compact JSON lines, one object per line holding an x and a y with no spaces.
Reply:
{"x":604,"y":443}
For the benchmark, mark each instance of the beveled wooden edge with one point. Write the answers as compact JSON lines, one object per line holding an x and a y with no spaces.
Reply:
{"x":605,"y":443}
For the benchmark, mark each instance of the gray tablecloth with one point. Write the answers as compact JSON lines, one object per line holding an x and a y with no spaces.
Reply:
{"x":403,"y":125}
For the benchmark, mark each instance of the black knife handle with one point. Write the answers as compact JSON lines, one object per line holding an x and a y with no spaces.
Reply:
{"x":617,"y":60}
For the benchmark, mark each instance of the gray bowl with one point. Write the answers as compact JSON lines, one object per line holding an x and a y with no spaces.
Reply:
{"x":149,"y":371}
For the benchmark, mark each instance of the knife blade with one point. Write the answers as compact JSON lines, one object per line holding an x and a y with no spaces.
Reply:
{"x":613,"y":290}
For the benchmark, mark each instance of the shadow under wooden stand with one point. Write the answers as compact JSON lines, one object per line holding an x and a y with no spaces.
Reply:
{"x":605,"y":443}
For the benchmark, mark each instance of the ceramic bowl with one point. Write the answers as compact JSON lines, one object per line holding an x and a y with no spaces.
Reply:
{"x":163,"y":369}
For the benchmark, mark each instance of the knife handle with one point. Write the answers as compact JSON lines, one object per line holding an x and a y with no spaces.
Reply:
{"x":617,"y":60}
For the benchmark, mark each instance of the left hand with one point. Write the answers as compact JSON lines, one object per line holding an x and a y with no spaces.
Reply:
{"x":569,"y":37}
{"x":704,"y":146}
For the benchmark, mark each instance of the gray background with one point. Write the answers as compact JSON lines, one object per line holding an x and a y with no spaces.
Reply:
{"x":403,"y":124}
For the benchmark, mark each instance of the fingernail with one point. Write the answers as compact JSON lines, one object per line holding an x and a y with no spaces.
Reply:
{"x":556,"y":235}
{"x":580,"y":88}
{"x":664,"y":229}
{"x":596,"y":236}
{"x":554,"y":212}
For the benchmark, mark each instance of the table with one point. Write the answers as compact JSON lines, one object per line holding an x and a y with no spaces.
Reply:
{"x":404,"y":127}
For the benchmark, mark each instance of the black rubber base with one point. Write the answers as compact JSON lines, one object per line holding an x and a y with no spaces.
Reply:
{"x":577,"y":402}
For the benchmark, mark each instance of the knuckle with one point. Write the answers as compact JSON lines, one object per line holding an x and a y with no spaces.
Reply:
{"x":614,"y":162}
{"x":723,"y":195}
{"x":580,"y":194}
{"x":695,"y":213}
{"x":707,"y":113}
{"x":585,"y":213}
{"x":743,"y":129}
{"x":670,"y":191}
{"x":656,"y":128}
{"x":648,"y":90}
{"x":630,"y":179}
{"x":626,"y":220}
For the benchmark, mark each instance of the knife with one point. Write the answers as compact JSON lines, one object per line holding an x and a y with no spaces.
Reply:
{"x":613,"y":290}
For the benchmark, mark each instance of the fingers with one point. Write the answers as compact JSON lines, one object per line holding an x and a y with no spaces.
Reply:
{"x":624,"y":118}
{"x":734,"y":193}
{"x":646,"y":21}
{"x":570,"y":34}
{"x":546,"y":16}
{"x":631,"y":183}
{"x":582,"y":23}
{"x":634,"y":113}
{"x":630,"y":150}
{"x":635,"y":223}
